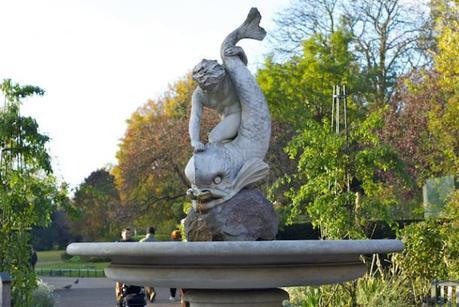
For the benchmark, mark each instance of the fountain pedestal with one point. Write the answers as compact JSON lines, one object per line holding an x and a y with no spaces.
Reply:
{"x":237,"y":272}
{"x":236,"y":298}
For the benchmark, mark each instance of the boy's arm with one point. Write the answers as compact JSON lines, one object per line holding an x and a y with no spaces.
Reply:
{"x":194,"y":125}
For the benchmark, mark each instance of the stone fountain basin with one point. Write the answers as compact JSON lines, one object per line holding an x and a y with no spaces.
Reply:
{"x":235,"y":264}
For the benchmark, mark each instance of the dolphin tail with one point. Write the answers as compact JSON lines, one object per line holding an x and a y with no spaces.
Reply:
{"x":251,"y":26}
{"x":249,"y":29}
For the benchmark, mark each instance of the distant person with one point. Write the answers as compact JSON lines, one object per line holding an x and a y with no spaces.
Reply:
{"x":126,"y":235}
{"x":128,"y":293}
{"x":176,"y":235}
{"x":150,"y":237}
{"x":33,"y":258}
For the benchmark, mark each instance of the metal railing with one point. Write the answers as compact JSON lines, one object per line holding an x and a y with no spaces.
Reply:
{"x":70,"y":272}
{"x":443,"y":293}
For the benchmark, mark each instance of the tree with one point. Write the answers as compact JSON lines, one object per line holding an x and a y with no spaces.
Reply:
{"x":299,"y":92}
{"x":152,"y":157}
{"x":28,"y":190}
{"x":407,"y":121}
{"x":386,"y":36}
{"x":303,"y":20}
{"x":342,"y":186}
{"x":422,"y":121}
{"x":301,"y":88}
{"x":443,"y":123}
{"x":422,"y":125}
{"x":56,"y":235}
{"x":97,"y":205}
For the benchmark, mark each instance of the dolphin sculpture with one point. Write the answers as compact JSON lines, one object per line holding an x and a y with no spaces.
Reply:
{"x":220,"y":170}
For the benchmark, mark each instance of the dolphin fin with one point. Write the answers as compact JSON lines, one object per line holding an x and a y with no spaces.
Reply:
{"x":252,"y":171}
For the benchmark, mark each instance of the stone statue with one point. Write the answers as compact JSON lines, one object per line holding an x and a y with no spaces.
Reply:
{"x":215,"y":91}
{"x":233,"y":158}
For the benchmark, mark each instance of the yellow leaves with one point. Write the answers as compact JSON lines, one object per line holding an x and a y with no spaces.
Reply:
{"x":443,"y":126}
{"x":177,"y":99}
{"x":447,"y":58}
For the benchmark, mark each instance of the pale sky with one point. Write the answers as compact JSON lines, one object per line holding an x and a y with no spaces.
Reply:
{"x":99,"y":60}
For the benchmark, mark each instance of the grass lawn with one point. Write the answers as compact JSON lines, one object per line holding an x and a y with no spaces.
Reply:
{"x":47,"y":257}
{"x":74,"y":265}
{"x":51,"y":260}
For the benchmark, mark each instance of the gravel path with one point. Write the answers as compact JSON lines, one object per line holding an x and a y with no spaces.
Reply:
{"x":90,"y":292}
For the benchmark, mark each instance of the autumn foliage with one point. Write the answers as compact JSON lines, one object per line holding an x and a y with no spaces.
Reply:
{"x":152,"y":157}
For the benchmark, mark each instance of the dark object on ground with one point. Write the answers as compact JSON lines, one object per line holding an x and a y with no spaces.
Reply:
{"x":248,"y":216}
{"x":70,"y":285}
{"x":132,"y":296}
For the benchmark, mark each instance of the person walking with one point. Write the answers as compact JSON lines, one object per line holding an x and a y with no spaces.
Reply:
{"x":33,"y":258}
{"x":176,"y":235}
{"x":150,"y":237}
{"x":128,"y":294}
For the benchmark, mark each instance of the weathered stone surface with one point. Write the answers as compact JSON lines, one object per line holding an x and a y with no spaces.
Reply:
{"x":233,"y":158}
{"x":235,"y":264}
{"x":248,"y":216}
{"x":236,"y":298}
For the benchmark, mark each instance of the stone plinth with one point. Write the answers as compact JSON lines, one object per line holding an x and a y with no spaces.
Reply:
{"x":248,"y":216}
{"x":236,"y":298}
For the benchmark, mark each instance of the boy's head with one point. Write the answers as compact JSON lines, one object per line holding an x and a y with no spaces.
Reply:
{"x":208,"y":74}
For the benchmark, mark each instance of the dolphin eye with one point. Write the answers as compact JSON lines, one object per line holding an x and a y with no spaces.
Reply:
{"x":217,"y":180}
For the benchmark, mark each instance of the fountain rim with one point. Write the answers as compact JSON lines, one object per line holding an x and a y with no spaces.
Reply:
{"x":235,"y":264}
{"x":234,"y":248}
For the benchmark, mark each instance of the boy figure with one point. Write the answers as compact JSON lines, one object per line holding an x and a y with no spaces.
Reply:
{"x":215,"y":91}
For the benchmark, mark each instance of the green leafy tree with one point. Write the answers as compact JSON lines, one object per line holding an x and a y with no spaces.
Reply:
{"x":97,"y":209}
{"x":299,"y":93}
{"x":342,"y":181}
{"x":28,"y":190}
{"x":301,"y":88}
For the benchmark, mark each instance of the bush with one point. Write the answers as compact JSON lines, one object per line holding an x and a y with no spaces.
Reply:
{"x":75,"y":259}
{"x":65,"y":256}
{"x":95,"y":259}
{"x":303,"y":296}
{"x":379,"y":287}
{"x":42,"y":296}
{"x":431,"y":250}
{"x":370,"y":290}
{"x":69,"y":258}
{"x":390,"y":290}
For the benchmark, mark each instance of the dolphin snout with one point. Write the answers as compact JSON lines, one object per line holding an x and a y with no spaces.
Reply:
{"x":196,"y":194}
